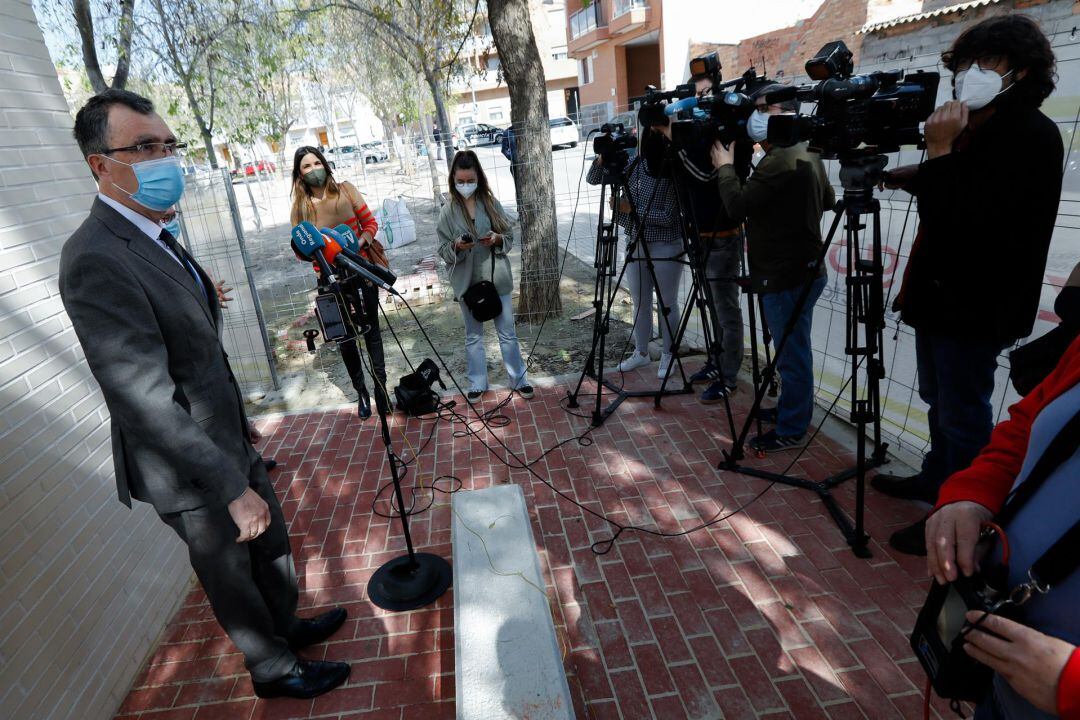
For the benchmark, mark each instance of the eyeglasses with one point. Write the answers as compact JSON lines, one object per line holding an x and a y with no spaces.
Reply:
{"x":154,"y":149}
{"x":986,"y":62}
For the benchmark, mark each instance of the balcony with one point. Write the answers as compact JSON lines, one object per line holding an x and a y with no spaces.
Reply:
{"x":628,"y":15}
{"x":587,"y":28}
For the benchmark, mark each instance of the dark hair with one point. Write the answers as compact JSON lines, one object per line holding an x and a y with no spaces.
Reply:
{"x":791,"y":105}
{"x":1018,"y":38}
{"x":92,"y":121}
{"x":302,"y":206}
{"x":467,"y":160}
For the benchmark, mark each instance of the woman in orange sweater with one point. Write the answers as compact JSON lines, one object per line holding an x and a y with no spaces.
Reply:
{"x":322,"y":200}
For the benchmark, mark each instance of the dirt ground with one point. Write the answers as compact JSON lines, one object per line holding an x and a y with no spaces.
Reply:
{"x":309,"y":380}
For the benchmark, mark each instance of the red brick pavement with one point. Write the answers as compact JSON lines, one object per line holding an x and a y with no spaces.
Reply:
{"x":764,"y":615}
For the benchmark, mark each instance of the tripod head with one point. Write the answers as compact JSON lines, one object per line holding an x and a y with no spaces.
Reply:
{"x":861,"y":171}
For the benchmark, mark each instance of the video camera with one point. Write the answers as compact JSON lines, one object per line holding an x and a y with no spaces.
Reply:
{"x":878,"y":112}
{"x":612,"y":145}
{"x":721,"y":115}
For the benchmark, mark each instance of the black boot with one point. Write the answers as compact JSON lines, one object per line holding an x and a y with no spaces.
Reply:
{"x":364,"y":404}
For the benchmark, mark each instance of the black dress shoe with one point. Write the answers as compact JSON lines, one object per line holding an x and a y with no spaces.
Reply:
{"x":363,"y":406}
{"x":905,"y":488}
{"x":911,"y":540}
{"x":310,"y":631}
{"x":308,"y":679}
{"x":270,"y":463}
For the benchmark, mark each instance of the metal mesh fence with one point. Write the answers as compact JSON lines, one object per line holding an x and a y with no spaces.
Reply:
{"x":286,"y":287}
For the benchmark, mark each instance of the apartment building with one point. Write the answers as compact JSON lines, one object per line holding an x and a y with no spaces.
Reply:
{"x":483,"y":97}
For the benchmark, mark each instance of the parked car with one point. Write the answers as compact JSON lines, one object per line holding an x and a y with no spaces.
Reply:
{"x":563,"y":132}
{"x":345,"y":156}
{"x":253,"y":169}
{"x":374,"y":151}
{"x":477,"y":134}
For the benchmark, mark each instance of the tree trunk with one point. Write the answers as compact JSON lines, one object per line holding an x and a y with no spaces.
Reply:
{"x":84,"y":21}
{"x":511,"y":28}
{"x":425,"y":130}
{"x":440,"y":112}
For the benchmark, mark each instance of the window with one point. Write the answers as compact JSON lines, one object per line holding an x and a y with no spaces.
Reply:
{"x":493,"y":63}
{"x":561,"y":122}
{"x":558,"y":53}
{"x":496,"y":116}
{"x":585,"y":71}
{"x":465,"y":120}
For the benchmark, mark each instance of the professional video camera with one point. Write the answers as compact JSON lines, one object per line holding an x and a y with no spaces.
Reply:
{"x":612,"y":145}
{"x":875,"y":113}
{"x":719,"y":115}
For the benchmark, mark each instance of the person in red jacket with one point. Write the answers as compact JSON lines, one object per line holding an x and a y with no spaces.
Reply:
{"x":1036,"y":660}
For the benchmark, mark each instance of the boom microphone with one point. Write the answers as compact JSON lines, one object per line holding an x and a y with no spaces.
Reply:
{"x":679,"y":105}
{"x":350,"y":246}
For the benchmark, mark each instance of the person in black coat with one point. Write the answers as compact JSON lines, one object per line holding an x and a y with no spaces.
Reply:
{"x":988,"y":195}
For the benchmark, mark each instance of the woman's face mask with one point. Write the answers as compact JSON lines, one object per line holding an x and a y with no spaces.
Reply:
{"x":315,"y":177}
{"x":466,"y":188}
{"x":978,"y":87}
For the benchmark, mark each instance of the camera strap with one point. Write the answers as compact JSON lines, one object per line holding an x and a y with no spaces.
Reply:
{"x":1060,"y":449}
{"x":1062,"y":558}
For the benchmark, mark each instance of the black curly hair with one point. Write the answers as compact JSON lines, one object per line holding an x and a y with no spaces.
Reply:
{"x":1021,"y":40}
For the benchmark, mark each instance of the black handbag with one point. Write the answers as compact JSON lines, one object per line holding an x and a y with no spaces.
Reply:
{"x":414,"y":394}
{"x":483,"y":299}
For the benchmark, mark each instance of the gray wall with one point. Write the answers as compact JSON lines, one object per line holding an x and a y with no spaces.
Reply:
{"x":86,"y":585}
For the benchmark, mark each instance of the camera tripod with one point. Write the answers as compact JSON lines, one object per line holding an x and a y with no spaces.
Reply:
{"x":864,"y":325}
{"x":604,"y":293}
{"x":415,"y":579}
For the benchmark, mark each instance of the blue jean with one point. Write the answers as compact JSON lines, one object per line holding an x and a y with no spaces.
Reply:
{"x":508,"y":344}
{"x":795,"y":409}
{"x":956,"y":380}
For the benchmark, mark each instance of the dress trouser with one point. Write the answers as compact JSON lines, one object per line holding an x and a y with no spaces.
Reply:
{"x":252,"y":585}
{"x":350,"y":354}
{"x":640,"y":281}
{"x":722,"y":267}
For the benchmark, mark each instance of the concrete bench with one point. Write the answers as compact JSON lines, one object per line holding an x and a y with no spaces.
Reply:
{"x":507,"y":658}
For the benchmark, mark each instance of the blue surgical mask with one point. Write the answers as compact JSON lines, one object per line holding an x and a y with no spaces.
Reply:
{"x":173,"y":226}
{"x":758,"y":126}
{"x":161,"y":182}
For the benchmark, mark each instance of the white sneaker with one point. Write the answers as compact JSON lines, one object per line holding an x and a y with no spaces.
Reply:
{"x":665,"y":365}
{"x":633,"y":362}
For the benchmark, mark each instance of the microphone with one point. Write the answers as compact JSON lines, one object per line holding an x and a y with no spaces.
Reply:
{"x":325,"y":246}
{"x":679,"y":105}
{"x":350,"y":247}
{"x":308,"y":242}
{"x":352,"y":243}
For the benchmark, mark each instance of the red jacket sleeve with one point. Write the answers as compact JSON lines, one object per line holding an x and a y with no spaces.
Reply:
{"x":1068,"y":692}
{"x":364,"y":217}
{"x":992,"y":474}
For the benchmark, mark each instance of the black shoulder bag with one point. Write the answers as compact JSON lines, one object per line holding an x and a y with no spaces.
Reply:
{"x":482,"y":298}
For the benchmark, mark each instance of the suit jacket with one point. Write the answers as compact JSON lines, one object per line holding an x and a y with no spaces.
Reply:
{"x":179,"y":432}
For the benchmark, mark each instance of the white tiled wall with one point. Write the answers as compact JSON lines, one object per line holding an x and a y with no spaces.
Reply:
{"x":86,"y":585}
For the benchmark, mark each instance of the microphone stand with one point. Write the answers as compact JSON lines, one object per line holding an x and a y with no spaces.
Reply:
{"x":415,"y":579}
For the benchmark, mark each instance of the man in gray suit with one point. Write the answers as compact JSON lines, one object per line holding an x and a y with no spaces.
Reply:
{"x":149,"y":322}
